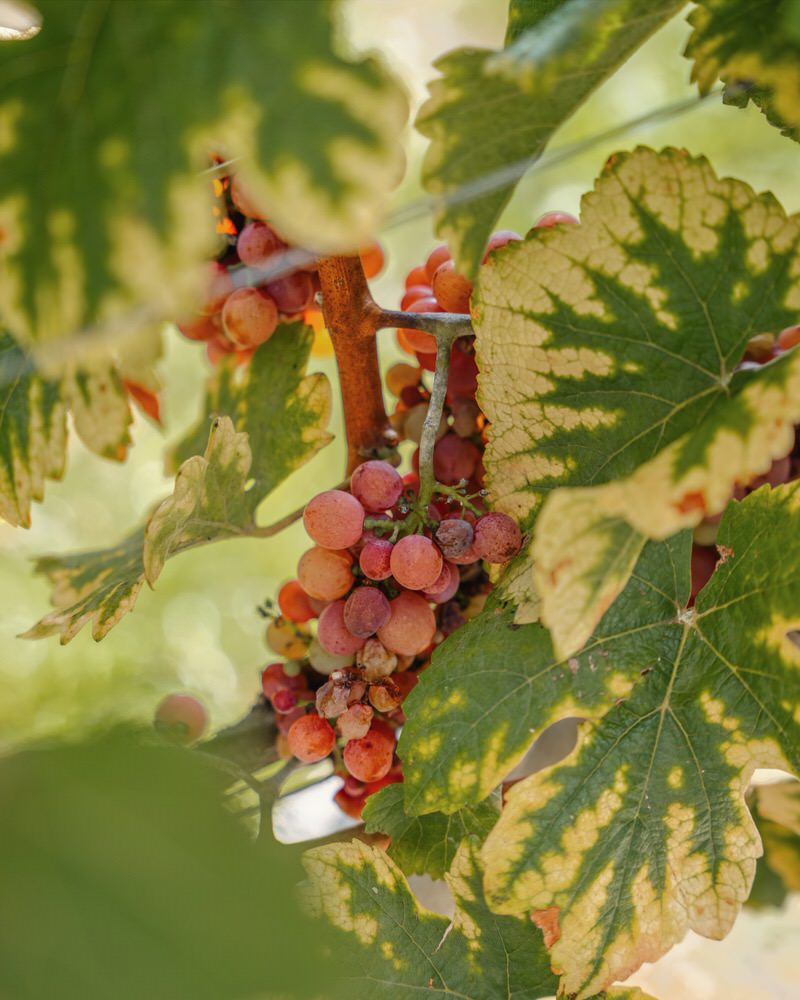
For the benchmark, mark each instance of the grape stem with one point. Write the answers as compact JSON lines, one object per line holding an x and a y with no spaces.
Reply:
{"x":427,"y":481}
{"x":353,"y":319}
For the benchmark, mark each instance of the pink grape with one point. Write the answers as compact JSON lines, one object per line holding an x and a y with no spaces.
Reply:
{"x":365,"y":611}
{"x":375,"y":559}
{"x":550,"y":219}
{"x":497,"y":537}
{"x":294,"y":293}
{"x":376,"y":485}
{"x":446,"y":586}
{"x":333,"y":634}
{"x":218,"y":286}
{"x":500,"y":239}
{"x":416,"y":562}
{"x":370,"y":758}
{"x":334,"y":519}
{"x":454,"y":536}
{"x":311,"y":738}
{"x":451,"y":288}
{"x":325,"y":574}
{"x":249,"y":317}
{"x":454,"y":459}
{"x":182,"y":716}
{"x":256,"y":243}
{"x":411,"y":628}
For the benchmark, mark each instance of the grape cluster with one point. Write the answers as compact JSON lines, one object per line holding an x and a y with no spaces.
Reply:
{"x":244,"y":300}
{"x":385,"y":582}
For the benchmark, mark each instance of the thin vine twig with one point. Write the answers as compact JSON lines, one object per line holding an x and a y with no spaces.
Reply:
{"x":433,"y":417}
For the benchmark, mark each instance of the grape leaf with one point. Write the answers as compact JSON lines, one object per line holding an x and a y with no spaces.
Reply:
{"x":623,"y":334}
{"x":776,"y":810}
{"x":122,"y":857}
{"x":108,"y":117}
{"x":395,"y":948}
{"x":491,"y":114}
{"x":752,"y":49}
{"x":643,"y":832}
{"x":425,"y":844}
{"x":275,"y":409}
{"x":34,"y":405}
{"x":493,"y":686}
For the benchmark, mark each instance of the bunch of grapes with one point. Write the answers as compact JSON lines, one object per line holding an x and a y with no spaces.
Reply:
{"x":257,"y":281}
{"x":385,"y":582}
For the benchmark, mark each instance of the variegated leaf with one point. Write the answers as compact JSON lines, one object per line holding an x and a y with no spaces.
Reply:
{"x":394,"y":949}
{"x":108,"y":117}
{"x":425,"y":844}
{"x":754,"y":51}
{"x":275,"y":422}
{"x":34,"y":404}
{"x":643,"y":832}
{"x":491,"y":114}
{"x":493,"y":686}
{"x":602,"y":344}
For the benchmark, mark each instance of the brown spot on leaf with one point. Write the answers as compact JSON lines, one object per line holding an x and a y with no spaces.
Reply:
{"x":696,"y":500}
{"x":725,"y":553}
{"x":547,"y":922}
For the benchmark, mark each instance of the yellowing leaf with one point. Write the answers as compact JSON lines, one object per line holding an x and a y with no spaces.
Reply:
{"x":108,"y":119}
{"x":491,"y":114}
{"x":776,"y":810}
{"x":758,"y":57}
{"x":493,"y":686}
{"x":269,"y":420}
{"x":580,"y":565}
{"x":600,"y":345}
{"x":393,"y":948}
{"x":643,"y":832}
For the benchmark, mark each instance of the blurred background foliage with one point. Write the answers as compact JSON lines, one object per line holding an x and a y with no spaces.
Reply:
{"x":199,"y":630}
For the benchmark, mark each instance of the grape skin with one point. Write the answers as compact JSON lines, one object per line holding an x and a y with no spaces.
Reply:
{"x":249,"y":317}
{"x":412,"y":626}
{"x":325,"y":574}
{"x":454,"y":536}
{"x":365,"y":611}
{"x":375,"y":559}
{"x":416,"y":562}
{"x":182,"y":716}
{"x":376,"y":485}
{"x":334,"y":635}
{"x":369,"y":758}
{"x":334,"y":519}
{"x":497,"y":537}
{"x":311,"y":738}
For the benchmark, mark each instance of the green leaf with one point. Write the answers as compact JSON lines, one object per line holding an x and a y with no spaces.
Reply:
{"x":776,"y":810}
{"x":754,"y":50}
{"x":622,"y":340}
{"x":276,"y":422}
{"x":643,"y":832}
{"x":493,"y":686}
{"x":123,"y":860}
{"x":425,"y":844}
{"x":525,"y":14}
{"x":491,"y":114}
{"x":107,"y":120}
{"x":394,"y":949}
{"x":34,"y":404}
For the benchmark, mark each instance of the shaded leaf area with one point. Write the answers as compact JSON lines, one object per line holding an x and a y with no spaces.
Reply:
{"x":643,"y":832}
{"x":425,"y":845}
{"x":121,"y":857}
{"x":491,"y":114}
{"x":776,"y":810}
{"x":109,"y":116}
{"x":274,"y":407}
{"x":754,"y":48}
{"x":493,"y":686}
{"x":34,"y":405}
{"x":602,"y":344}
{"x":393,"y":949}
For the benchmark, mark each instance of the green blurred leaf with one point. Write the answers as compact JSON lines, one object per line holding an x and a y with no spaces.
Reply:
{"x":754,"y":50}
{"x":491,"y":114}
{"x":108,"y":116}
{"x":623,"y":343}
{"x":643,"y":832}
{"x":776,"y":810}
{"x":121,"y":875}
{"x":494,"y":686}
{"x":425,"y":844}
{"x":276,"y":422}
